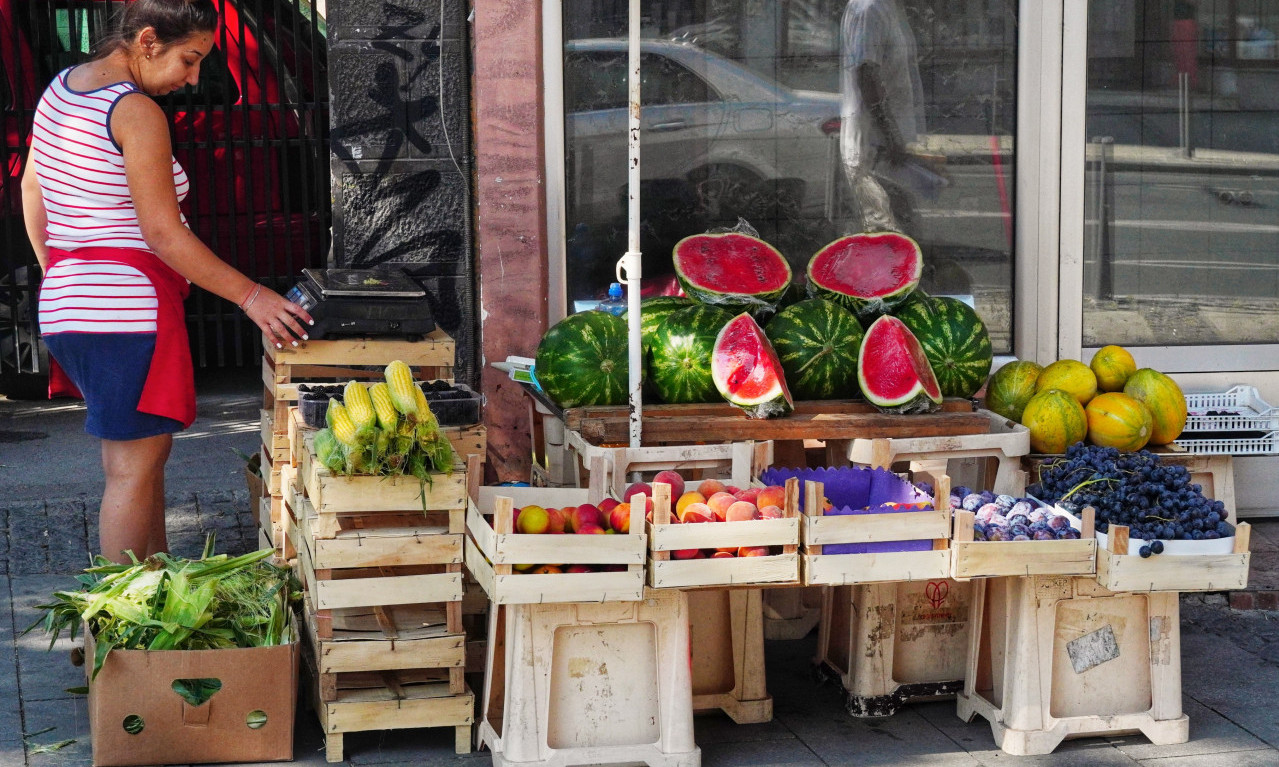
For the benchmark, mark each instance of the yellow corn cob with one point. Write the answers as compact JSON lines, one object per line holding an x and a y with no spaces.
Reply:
{"x":399,"y":379}
{"x":387,"y":415}
{"x":359,"y":405}
{"x":342,"y":425}
{"x":424,"y":414}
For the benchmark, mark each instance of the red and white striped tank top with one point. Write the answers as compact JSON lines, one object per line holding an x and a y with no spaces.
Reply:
{"x":86,"y":197}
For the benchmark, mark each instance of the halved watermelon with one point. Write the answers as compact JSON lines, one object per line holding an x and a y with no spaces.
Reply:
{"x":732,"y":271}
{"x":869,"y":273}
{"x":893,"y":370}
{"x":746,"y":370}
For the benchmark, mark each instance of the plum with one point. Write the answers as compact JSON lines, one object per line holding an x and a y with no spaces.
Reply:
{"x":1021,"y":507}
{"x":972,"y":502}
{"x":1005,"y":501}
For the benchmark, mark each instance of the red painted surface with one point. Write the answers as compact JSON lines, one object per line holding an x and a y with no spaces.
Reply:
{"x":510,"y":215}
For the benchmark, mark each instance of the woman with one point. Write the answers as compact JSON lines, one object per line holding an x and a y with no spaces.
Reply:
{"x":100,"y":193}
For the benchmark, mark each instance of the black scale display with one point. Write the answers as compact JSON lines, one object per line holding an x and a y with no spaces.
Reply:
{"x":363,"y":302}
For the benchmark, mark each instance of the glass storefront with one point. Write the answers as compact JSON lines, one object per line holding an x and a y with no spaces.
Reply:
{"x":1181,"y":236}
{"x":808,"y":119}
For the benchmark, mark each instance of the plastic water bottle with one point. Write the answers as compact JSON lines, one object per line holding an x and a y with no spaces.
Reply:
{"x":616,"y":302}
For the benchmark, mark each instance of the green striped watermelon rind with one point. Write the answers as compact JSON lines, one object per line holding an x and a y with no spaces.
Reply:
{"x":583,"y":360}
{"x":679,"y":365}
{"x":954,"y":338}
{"x":742,"y":343}
{"x":653,"y":310}
{"x":734,"y":248}
{"x":889,"y":345}
{"x":817,"y":342}
{"x":868,"y":304}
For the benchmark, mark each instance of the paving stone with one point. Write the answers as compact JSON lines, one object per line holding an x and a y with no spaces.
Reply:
{"x":718,"y":728}
{"x":1210,"y":733}
{"x":10,"y":701}
{"x":44,"y":674}
{"x":766,"y":752}
{"x":904,"y":738}
{"x":1263,"y":758}
{"x":1236,"y":684}
{"x":69,"y":719}
{"x":431,"y":745}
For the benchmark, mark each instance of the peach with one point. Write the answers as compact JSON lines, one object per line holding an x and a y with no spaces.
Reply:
{"x":567,"y":513}
{"x":687,"y":554}
{"x":685,"y":499}
{"x":732,"y":489}
{"x":578,"y":569}
{"x":619,"y":519}
{"x":607,"y":504}
{"x":556,"y":521}
{"x":753,"y":551}
{"x":723,"y":555}
{"x":591,"y":528}
{"x":710,"y":487}
{"x":534,"y":520}
{"x":523,"y":568}
{"x":547,"y":569}
{"x":750,"y":495}
{"x":719,"y":504}
{"x":636,"y":487}
{"x":771,"y":496}
{"x":673,"y":479}
{"x":740,"y":511}
{"x":731,"y":550}
{"x":586,"y":514}
{"x":771,"y":512}
{"x":697,"y":512}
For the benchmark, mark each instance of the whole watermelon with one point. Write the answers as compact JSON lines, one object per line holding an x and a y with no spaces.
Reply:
{"x":582,"y":360}
{"x":680,"y":361}
{"x":653,"y":311}
{"x":954,"y":339}
{"x":817,"y":343}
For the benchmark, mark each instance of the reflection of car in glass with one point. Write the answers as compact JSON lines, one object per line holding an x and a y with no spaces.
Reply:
{"x":243,"y":134}
{"x":745,"y":145}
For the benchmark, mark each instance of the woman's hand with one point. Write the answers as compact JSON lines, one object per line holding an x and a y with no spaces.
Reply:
{"x":282,"y":321}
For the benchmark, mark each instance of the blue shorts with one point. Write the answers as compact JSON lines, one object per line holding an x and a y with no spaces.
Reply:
{"x":110,"y":369}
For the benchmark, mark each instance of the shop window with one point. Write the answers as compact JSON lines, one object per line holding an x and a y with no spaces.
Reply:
{"x":741,"y":120}
{"x":1182,"y":180}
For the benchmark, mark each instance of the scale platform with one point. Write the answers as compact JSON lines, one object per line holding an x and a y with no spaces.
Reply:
{"x":363,"y":302}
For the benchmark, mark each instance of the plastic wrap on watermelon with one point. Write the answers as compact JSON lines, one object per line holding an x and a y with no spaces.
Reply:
{"x":746,"y":371}
{"x":733,"y":269}
{"x":852,"y":490}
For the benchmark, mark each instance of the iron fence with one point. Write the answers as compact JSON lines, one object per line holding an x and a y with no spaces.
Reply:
{"x":252,"y":136}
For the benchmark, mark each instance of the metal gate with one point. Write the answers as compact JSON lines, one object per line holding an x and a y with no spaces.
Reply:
{"x":252,"y":136}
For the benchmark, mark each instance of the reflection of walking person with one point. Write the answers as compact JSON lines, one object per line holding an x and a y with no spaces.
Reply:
{"x":881,"y":112}
{"x":1185,"y":42}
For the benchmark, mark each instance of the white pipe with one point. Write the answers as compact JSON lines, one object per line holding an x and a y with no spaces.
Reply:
{"x":629,"y":268}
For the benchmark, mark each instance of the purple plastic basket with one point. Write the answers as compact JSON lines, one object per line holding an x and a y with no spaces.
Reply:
{"x":858,"y":490}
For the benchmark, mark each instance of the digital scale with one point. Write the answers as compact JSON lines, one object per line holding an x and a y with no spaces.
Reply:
{"x":363,"y":302}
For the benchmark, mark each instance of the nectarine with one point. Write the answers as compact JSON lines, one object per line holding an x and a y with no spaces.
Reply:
{"x":740,"y":511}
{"x":719,"y":504}
{"x":771,"y":496}
{"x":697,"y":512}
{"x":619,"y":519}
{"x":710,"y":487}
{"x":533,"y":520}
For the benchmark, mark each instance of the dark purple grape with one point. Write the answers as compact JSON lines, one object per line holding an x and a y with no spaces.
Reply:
{"x":1156,"y":547}
{"x":1144,"y":551}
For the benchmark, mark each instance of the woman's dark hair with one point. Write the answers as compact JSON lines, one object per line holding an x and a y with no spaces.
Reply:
{"x":173,"y":20}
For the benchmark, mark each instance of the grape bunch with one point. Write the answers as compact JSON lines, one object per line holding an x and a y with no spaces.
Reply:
{"x":1005,"y":518}
{"x":1156,"y":501}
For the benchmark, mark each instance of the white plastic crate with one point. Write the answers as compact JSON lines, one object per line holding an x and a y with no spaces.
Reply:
{"x":1250,"y":427}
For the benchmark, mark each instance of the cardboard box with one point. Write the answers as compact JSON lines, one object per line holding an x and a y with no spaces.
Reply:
{"x":136,"y":687}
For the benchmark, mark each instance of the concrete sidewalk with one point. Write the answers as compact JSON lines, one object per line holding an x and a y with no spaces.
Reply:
{"x":51,"y":478}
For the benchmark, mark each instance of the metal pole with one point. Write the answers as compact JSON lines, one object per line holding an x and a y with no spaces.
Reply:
{"x":629,"y":268}
{"x":1183,"y":114}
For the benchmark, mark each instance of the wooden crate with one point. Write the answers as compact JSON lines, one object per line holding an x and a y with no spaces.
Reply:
{"x":1055,"y":657}
{"x":736,"y":462}
{"x":342,"y":360}
{"x":984,"y":559}
{"x":889,"y":644}
{"x":665,"y":537}
{"x":390,"y":701}
{"x":274,"y":441}
{"x":999,"y":450}
{"x":847,"y":569}
{"x":1120,"y":568}
{"x":492,"y":550}
{"x":607,"y":683}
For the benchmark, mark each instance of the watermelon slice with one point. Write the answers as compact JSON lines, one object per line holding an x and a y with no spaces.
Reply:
{"x":733,"y":271}
{"x":746,"y":370}
{"x":893,"y":370}
{"x":869,"y":273}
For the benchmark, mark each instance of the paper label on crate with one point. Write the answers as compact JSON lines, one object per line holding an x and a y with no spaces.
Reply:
{"x":1092,"y":650}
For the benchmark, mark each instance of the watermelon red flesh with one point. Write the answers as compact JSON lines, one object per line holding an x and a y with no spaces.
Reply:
{"x":953,"y":337}
{"x":893,"y":370}
{"x":868,"y":273}
{"x":746,"y":370}
{"x":731,"y":270}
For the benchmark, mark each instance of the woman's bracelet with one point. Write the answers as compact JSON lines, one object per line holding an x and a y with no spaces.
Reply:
{"x":249,"y":299}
